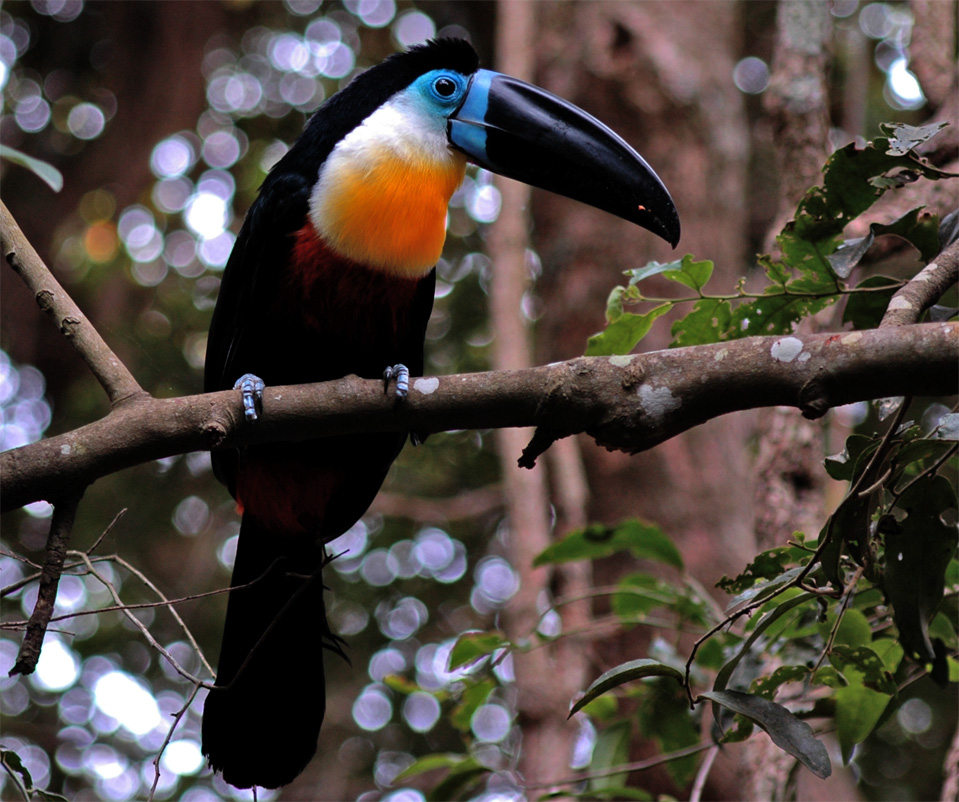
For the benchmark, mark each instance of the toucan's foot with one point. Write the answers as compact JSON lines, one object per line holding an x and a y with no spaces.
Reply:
{"x":402,"y":375}
{"x":252,"y":388}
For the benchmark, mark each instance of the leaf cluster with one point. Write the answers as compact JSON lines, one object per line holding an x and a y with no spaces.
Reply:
{"x":814,"y":263}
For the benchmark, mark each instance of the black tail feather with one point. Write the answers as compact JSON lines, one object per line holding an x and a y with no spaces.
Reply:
{"x":262,"y":720}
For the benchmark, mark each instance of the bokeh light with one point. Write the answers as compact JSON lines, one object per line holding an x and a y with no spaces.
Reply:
{"x":183,"y":757}
{"x":421,"y":711}
{"x":24,"y":412}
{"x":491,"y":722}
{"x":413,"y":28}
{"x":86,"y":121}
{"x":373,"y":13}
{"x":58,"y":667}
{"x":172,"y":157}
{"x":373,"y":709}
{"x":751,"y":75}
{"x":128,"y":701}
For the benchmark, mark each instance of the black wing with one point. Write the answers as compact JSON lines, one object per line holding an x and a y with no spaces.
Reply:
{"x":252,"y":273}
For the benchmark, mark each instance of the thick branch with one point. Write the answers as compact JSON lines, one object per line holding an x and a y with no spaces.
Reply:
{"x":53,"y":299}
{"x":924,"y":289}
{"x":629,"y":403}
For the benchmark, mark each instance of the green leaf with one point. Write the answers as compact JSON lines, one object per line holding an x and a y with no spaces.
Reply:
{"x":943,"y":626}
{"x":711,"y":654}
{"x":903,"y":138}
{"x":850,"y":253}
{"x":864,"y":309}
{"x":848,"y":464}
{"x":767,"y":565}
{"x":870,"y":669}
{"x":621,"y":674}
{"x":830,"y":677}
{"x":777,"y":314}
{"x":918,"y":551}
{"x":858,"y":710}
{"x":709,"y":322}
{"x":638,"y":274}
{"x":639,"y":594}
{"x":473,"y":696}
{"x":853,"y":180}
{"x":788,"y":732}
{"x":473,"y":646}
{"x":767,"y":687}
{"x":602,"y":708}
{"x":611,"y":749}
{"x":664,"y":716}
{"x":622,"y":335}
{"x":725,"y":673}
{"x":401,"y":684}
{"x":853,"y":630}
{"x":694,"y":275}
{"x":919,"y":228}
{"x":459,"y":784}
{"x":447,"y":760}
{"x":763,"y":590}
{"x":46,"y":172}
{"x":643,"y":540}
{"x":14,"y":765}
{"x":614,"y":304}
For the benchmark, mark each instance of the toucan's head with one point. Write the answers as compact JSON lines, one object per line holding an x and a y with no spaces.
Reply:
{"x":397,"y":138}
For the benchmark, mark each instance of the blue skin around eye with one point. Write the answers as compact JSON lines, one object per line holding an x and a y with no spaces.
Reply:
{"x":422,"y":89}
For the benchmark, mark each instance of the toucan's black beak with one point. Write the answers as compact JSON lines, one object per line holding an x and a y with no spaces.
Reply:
{"x":524,"y":132}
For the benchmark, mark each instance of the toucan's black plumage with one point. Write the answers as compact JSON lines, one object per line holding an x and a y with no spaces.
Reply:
{"x":332,"y":274}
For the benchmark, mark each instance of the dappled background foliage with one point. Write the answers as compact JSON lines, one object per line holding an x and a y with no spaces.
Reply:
{"x":164,"y":118}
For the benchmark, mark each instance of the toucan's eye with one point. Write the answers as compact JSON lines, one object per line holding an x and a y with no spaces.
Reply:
{"x":444,"y":87}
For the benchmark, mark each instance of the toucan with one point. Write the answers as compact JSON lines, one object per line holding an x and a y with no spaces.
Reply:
{"x":332,"y":274}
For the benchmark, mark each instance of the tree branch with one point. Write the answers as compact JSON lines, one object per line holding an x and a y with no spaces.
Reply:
{"x":627,"y":403}
{"x":54,"y":300}
{"x":60,"y":528}
{"x":924,"y":289}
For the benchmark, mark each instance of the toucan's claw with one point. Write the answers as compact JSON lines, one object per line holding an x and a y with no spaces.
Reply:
{"x":402,"y":375}
{"x":252,"y":388}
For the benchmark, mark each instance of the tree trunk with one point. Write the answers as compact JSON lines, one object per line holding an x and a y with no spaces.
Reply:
{"x":659,"y":75}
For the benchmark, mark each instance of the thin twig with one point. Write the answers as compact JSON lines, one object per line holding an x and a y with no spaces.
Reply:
{"x":166,"y":741}
{"x":641,"y":765}
{"x":176,"y":616}
{"x":932,"y":470}
{"x":144,"y":630}
{"x":107,"y":531}
{"x":697,"y":790}
{"x":840,"y":614}
{"x":61,"y":526}
{"x":114,"y":608}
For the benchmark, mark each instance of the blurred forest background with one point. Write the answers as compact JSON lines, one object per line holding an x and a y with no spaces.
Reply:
{"x":164,"y":118}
